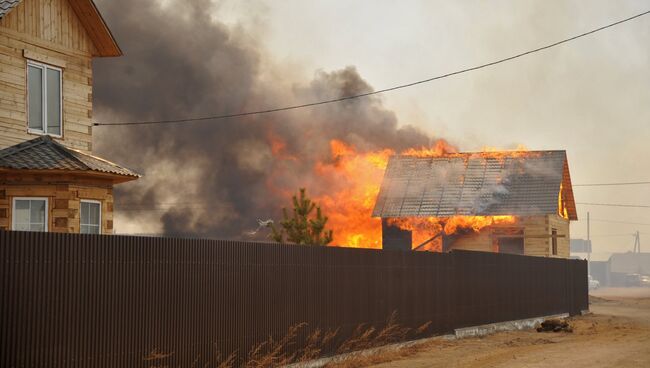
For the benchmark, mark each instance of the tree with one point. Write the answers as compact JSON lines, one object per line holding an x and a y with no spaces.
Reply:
{"x":302,"y":228}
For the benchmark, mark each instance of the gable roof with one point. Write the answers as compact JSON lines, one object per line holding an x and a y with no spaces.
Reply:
{"x":91,"y":19}
{"x":43,"y":153}
{"x":476,"y":184}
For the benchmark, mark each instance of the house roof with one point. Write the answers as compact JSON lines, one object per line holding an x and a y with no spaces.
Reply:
{"x":476,"y":184}
{"x":630,"y":263}
{"x":43,"y":153}
{"x":91,"y":19}
{"x":6,"y":6}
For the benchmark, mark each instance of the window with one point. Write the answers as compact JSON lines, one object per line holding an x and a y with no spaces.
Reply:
{"x":29,"y":214}
{"x":43,"y":99}
{"x":91,"y":217}
{"x":554,"y":241}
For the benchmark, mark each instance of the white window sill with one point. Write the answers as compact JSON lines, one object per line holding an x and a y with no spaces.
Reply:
{"x":40,"y":132}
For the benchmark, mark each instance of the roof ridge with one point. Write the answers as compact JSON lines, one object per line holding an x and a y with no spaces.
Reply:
{"x":64,"y":150}
{"x":44,"y":153}
{"x":11,"y":150}
{"x":482,"y":153}
{"x":96,"y":158}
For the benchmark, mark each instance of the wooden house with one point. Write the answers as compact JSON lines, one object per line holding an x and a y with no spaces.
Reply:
{"x":49,"y":179}
{"x":530,"y":192}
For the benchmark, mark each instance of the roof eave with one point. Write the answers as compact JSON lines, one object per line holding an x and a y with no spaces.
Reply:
{"x":97,"y":29}
{"x":113,"y":177}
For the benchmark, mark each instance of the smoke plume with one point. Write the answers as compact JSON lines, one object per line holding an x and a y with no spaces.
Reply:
{"x":216,"y":178}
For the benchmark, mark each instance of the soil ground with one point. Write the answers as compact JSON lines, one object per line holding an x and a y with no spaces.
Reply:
{"x":615,"y":334}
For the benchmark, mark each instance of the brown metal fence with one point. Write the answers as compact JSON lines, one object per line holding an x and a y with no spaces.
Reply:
{"x":71,"y":300}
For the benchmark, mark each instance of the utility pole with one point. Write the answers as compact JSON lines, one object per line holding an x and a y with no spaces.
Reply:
{"x":589,"y":244}
{"x":637,"y":242}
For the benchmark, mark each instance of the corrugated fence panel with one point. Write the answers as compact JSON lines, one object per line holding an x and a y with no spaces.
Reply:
{"x":71,"y":300}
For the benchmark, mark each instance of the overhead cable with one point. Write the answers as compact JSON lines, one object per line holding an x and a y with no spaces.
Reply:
{"x":356,"y":96}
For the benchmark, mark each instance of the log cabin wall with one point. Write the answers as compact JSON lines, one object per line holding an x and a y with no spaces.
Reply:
{"x":481,"y":241}
{"x":538,"y":231}
{"x":47,"y":31}
{"x":563,"y":228}
{"x":534,"y":243}
{"x":64,"y":197}
{"x":538,"y":239}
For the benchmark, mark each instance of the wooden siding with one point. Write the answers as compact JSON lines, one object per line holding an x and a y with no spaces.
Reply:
{"x":45,"y":29}
{"x":64,"y":197}
{"x":53,"y":21}
{"x":543,"y":225}
{"x":562,"y":227}
{"x":477,"y":242}
{"x":537,"y":237}
{"x":537,"y":245}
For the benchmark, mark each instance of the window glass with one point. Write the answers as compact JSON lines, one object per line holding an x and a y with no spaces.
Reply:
{"x":21,"y":212}
{"x":84,"y":212}
{"x":90,"y":218}
{"x":37,"y":211}
{"x":35,"y":93}
{"x":44,"y":98}
{"x":53,"y":102}
{"x":29,"y":214}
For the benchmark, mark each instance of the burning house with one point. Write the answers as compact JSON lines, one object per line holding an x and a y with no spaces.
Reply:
{"x":518,"y":202}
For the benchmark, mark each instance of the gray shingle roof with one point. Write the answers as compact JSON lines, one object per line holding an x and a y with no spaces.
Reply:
{"x":475,"y":184}
{"x":7,"y":5}
{"x":43,"y":153}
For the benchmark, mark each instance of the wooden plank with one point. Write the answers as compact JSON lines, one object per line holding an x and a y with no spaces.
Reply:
{"x":97,"y":30}
{"x":37,"y":56}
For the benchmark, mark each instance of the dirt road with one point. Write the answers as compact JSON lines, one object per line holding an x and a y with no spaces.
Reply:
{"x":617,"y":334}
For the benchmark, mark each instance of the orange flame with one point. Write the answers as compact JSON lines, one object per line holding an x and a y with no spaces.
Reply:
{"x":561,"y":205}
{"x":348,"y":185}
{"x":349,"y":209}
{"x":424,"y":228}
{"x":441,"y":148}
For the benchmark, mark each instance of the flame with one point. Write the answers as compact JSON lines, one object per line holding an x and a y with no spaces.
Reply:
{"x":428,"y":227}
{"x":440,"y":148}
{"x":561,"y":206}
{"x":349,"y":208}
{"x":346,"y":184}
{"x":279,"y":147}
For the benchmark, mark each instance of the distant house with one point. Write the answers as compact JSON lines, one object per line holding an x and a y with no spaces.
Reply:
{"x":49,"y":179}
{"x":615,"y":271}
{"x":532,"y":187}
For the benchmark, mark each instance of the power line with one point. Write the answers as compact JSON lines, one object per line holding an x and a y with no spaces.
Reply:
{"x":614,"y":205}
{"x":622,"y":222}
{"x":401,"y":86}
{"x":607,"y":235}
{"x":611,"y":184}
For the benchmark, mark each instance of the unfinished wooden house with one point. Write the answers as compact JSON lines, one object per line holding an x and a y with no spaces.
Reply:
{"x":49,"y":179}
{"x":525,"y":198}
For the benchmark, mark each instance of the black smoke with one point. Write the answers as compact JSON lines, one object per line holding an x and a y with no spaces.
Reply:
{"x":213,"y":178}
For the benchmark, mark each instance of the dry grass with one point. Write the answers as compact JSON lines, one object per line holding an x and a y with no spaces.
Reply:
{"x":316,"y":342}
{"x":298,"y":346}
{"x":229,"y":362}
{"x":368,"y":337}
{"x":272,"y":353}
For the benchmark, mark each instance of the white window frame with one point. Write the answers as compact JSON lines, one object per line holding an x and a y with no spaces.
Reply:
{"x":13,"y":210}
{"x":44,"y":68}
{"x":100,"y":213}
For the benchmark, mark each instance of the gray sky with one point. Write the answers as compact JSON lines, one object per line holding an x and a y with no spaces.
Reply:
{"x":590,"y":97}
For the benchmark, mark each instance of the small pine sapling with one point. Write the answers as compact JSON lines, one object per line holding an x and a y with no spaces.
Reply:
{"x":301,"y":228}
